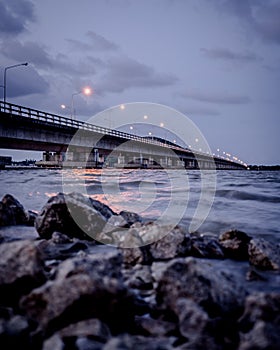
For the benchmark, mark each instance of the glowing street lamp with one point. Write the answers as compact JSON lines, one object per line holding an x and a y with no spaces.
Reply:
{"x":86,"y":91}
{"x":5,"y":76}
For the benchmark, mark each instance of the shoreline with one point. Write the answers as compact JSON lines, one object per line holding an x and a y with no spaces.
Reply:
{"x":178,"y":292}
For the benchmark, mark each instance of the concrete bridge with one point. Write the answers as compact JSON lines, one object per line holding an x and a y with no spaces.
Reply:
{"x":68,"y":142}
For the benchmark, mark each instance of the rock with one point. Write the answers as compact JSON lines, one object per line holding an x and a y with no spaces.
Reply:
{"x":80,"y":291}
{"x":91,"y":332}
{"x":173,"y":244}
{"x":21,"y":269}
{"x":260,"y":322}
{"x":53,"y":343}
{"x":72,"y":215}
{"x":264,"y":254}
{"x":217,"y":291}
{"x":104,"y":260}
{"x":206,"y":247}
{"x":155,"y":327}
{"x":13,"y":213}
{"x":139,"y":277}
{"x":128,"y":342}
{"x":263,"y":336}
{"x":102,"y":208}
{"x":14,"y":333}
{"x":235,"y":244}
{"x":130,"y":217}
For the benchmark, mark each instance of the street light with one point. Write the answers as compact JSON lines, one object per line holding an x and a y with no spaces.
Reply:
{"x":86,"y":91}
{"x":5,"y":75}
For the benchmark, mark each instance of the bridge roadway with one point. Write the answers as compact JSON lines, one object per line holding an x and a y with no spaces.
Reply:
{"x":24,"y":128}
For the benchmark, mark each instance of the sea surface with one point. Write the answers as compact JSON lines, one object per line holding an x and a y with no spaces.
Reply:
{"x":243,"y":200}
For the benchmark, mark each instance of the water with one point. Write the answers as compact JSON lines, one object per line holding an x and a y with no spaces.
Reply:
{"x":244,"y":200}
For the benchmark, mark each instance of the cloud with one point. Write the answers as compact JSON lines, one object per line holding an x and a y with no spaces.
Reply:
{"x":27,"y":51}
{"x":219,"y":98}
{"x":25,"y":81}
{"x":124,"y":73}
{"x":262,"y":17}
{"x":14,"y":16}
{"x":95,"y":43}
{"x":229,"y":55}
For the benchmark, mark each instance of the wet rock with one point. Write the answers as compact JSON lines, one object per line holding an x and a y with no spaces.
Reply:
{"x":173,"y":243}
{"x":217,"y":291}
{"x":260,"y":322}
{"x":54,"y":343}
{"x":72,"y":215}
{"x":80,"y":291}
{"x":235,"y":244}
{"x":102,"y":208}
{"x":21,"y":269}
{"x":128,"y":342}
{"x":12,"y":212}
{"x":206,"y":247}
{"x":264,"y":254}
{"x":130,"y":217}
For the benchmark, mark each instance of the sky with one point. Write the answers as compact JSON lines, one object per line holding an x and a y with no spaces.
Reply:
{"x":216,"y":61}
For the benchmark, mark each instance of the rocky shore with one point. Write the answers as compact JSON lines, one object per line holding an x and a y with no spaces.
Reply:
{"x":62,"y":290}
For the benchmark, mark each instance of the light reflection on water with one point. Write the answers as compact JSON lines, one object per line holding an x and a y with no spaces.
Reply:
{"x":248,"y":201}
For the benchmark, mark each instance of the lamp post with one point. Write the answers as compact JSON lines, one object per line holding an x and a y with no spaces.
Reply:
{"x":86,"y":91}
{"x":5,"y":76}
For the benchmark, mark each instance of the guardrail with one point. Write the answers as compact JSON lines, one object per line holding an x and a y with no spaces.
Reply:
{"x":55,"y":119}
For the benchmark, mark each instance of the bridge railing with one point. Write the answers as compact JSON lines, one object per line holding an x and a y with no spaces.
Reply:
{"x":59,"y":120}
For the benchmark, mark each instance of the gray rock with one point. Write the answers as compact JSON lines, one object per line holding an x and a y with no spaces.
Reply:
{"x":206,"y":247}
{"x":128,"y":342}
{"x":173,"y":244}
{"x":12,"y":212}
{"x":53,"y":343}
{"x":83,"y":343}
{"x":260,"y":322}
{"x":155,"y":327}
{"x":235,"y":244}
{"x":72,"y":215}
{"x":21,"y":269}
{"x":139,"y":277}
{"x":14,"y":333}
{"x":130,"y":217}
{"x":263,"y":336}
{"x":260,"y":307}
{"x":217,"y":291}
{"x":78,"y":292}
{"x":93,"y":328}
{"x":264,"y":254}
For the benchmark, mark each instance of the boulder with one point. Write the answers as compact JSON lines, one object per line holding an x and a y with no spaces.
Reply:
{"x":12,"y":212}
{"x":235,"y":244}
{"x":204,"y":246}
{"x":264,"y":254}
{"x":172,"y":242}
{"x":83,"y":288}
{"x":217,"y":291}
{"x":72,"y":215}
{"x":260,"y":322}
{"x":21,"y":269}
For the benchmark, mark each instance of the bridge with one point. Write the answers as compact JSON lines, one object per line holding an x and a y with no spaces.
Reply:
{"x":69,"y":142}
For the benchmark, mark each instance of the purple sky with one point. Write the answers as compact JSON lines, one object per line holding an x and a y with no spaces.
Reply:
{"x":217,"y":61}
